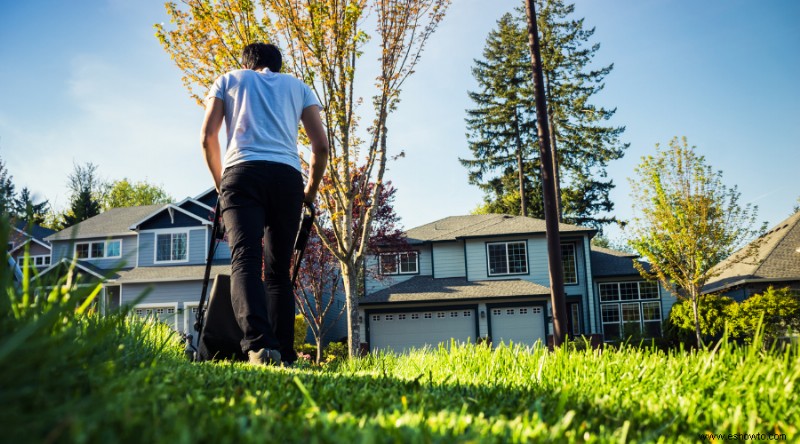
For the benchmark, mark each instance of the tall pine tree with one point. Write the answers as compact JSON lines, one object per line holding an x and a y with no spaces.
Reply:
{"x":504,"y":120}
{"x":6,"y":191}
{"x":84,"y":202}
{"x":27,"y":210}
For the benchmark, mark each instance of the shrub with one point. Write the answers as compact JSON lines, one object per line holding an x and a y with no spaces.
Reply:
{"x":779,"y":309}
{"x":300,"y":331}
{"x":715,"y":312}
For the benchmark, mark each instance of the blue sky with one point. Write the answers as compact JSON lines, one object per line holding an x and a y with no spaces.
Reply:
{"x":87,"y":81}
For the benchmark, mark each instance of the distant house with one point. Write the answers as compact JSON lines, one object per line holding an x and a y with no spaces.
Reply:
{"x":152,"y":257}
{"x":776,"y":264}
{"x":485,"y":277}
{"x":32,"y":237}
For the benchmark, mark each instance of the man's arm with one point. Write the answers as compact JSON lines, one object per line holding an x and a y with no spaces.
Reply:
{"x":319,"y":150}
{"x":215,"y":113}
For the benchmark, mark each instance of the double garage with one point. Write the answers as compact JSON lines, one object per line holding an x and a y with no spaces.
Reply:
{"x":400,"y":330}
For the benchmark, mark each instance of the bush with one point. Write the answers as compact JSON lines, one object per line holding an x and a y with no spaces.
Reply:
{"x":715,"y":312}
{"x":779,"y":309}
{"x":300,"y":331}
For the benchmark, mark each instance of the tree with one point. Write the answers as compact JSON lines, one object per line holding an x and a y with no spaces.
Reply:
{"x":320,"y":273}
{"x":84,"y":186}
{"x":27,"y":210}
{"x":7,"y":192}
{"x":502,"y":126}
{"x":124,"y":193}
{"x":686,"y":222}
{"x":321,"y":40}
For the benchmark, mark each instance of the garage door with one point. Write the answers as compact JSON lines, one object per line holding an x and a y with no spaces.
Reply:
{"x":400,"y":332}
{"x":522,"y":325}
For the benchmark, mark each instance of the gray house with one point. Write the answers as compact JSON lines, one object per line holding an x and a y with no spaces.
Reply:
{"x":32,"y":238}
{"x":777,"y":264}
{"x":151,"y":257}
{"x":485,"y":277}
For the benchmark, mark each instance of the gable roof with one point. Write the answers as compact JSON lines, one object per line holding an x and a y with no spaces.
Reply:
{"x":35,"y":231}
{"x":85,"y":267}
{"x":612,"y":263}
{"x":426,"y":289}
{"x":483,"y":225}
{"x":113,"y":222}
{"x":171,"y":208}
{"x":778,"y":259}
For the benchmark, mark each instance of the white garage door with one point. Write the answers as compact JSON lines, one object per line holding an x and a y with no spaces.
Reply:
{"x":522,"y":325}
{"x":399,"y":332}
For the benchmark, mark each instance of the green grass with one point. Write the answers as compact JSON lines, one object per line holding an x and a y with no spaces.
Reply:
{"x":69,"y":376}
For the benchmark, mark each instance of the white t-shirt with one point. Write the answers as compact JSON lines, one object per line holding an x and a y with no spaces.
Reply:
{"x":262,"y":114}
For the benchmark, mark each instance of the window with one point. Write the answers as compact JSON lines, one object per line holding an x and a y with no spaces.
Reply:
{"x":171,"y":247}
{"x":99,"y":249}
{"x":453,"y":314}
{"x":575,"y":318}
{"x":414,"y":315}
{"x":569,"y":263}
{"x":629,"y":308}
{"x":467,"y":313}
{"x":510,"y":311}
{"x":376,"y":317}
{"x":389,"y":317}
{"x":496,"y":312}
{"x":427,"y":316}
{"x":40,"y":261}
{"x":507,"y":258}
{"x":440,"y":314}
{"x":523,"y":311}
{"x":399,"y":263}
{"x":401,"y":317}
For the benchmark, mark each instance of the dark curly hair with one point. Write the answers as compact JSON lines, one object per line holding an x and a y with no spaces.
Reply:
{"x":260,"y":55}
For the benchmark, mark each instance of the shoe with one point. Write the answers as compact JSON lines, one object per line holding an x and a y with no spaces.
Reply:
{"x":265,"y":356}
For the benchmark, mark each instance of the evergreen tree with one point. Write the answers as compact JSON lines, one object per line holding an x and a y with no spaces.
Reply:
{"x":503,"y":124}
{"x":6,"y":191}
{"x":27,"y":210}
{"x":84,"y":202}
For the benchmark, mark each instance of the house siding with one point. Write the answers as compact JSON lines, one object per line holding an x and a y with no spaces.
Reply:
{"x":163,"y":220}
{"x":35,"y":249}
{"x":448,"y":260}
{"x":196,"y":243}
{"x":66,"y":250}
{"x":376,"y":282}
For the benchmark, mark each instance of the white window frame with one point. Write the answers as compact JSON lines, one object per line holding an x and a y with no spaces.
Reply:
{"x":173,"y":305}
{"x":170,"y":233}
{"x":508,"y":265}
{"x":574,"y":263}
{"x":188,"y":318}
{"x":397,"y":257}
{"x":45,"y":258}
{"x":105,"y":249}
{"x":619,"y":302}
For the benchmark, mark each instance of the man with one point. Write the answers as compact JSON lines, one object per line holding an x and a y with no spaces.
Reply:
{"x":261,"y":190}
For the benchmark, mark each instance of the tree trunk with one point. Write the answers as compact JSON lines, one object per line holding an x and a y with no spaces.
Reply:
{"x":319,"y":350}
{"x":696,"y":312}
{"x":520,"y":168}
{"x":556,"y":175}
{"x":350,"y":280}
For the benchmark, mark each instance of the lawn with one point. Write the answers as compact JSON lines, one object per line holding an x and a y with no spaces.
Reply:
{"x":72,"y":376}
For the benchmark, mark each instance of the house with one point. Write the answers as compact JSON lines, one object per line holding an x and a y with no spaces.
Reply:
{"x":151,"y":257}
{"x":776,"y":263}
{"x":32,"y":237}
{"x":485,"y":277}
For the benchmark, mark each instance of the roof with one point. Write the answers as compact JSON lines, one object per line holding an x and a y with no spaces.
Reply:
{"x":35,"y":231}
{"x":483,"y":225}
{"x":171,"y":273}
{"x":426,"y":288}
{"x":607,"y":262}
{"x":778,"y":259}
{"x":115,"y":221}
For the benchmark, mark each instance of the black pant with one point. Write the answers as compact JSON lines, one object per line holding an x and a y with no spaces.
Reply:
{"x":262,"y":201}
